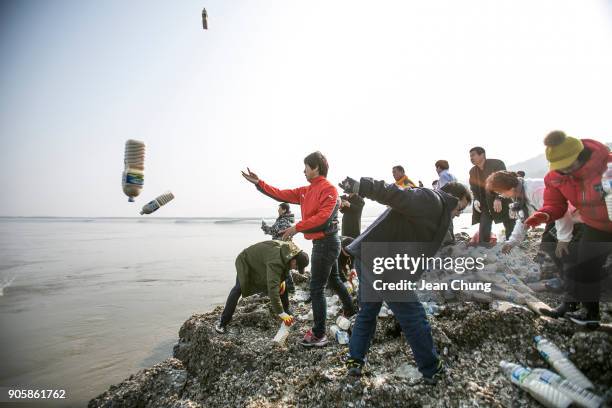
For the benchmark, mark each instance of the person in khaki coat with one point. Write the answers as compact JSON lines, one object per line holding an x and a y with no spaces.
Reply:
{"x":263,"y":267}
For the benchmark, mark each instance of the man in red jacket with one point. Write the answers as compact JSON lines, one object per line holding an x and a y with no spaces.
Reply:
{"x":576,"y":167}
{"x":319,"y":205}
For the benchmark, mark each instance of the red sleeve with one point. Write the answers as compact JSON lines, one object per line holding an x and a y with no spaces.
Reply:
{"x":327,"y":203}
{"x":555,"y":203}
{"x":288,"y":196}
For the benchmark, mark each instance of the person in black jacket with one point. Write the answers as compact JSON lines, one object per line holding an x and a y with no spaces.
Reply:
{"x":488,"y":206}
{"x":417,"y":220}
{"x":351,"y":207}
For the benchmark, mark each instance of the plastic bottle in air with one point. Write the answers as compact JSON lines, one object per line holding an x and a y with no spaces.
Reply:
{"x":153,"y":205}
{"x":340,"y":335}
{"x":531,"y":382}
{"x":606,"y":183}
{"x":134,"y":154}
{"x":560,"y":363}
{"x":133,"y":173}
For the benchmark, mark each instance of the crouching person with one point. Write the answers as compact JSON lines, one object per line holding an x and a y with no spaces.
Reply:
{"x":415,"y":216}
{"x":263,"y":267}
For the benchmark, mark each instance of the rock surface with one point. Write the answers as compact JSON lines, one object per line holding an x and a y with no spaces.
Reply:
{"x":244,"y":368}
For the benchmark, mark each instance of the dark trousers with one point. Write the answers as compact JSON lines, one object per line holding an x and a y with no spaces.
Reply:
{"x":486,"y":222}
{"x":413,"y":321}
{"x":234,"y":297}
{"x":289,"y":282}
{"x":549,"y":244}
{"x":584,"y":279}
{"x":324,"y":271}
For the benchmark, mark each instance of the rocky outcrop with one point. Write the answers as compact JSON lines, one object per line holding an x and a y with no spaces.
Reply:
{"x":243,"y":368}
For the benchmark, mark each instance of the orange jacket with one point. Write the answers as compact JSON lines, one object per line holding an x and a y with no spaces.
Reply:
{"x":405,"y":182}
{"x":318,"y":202}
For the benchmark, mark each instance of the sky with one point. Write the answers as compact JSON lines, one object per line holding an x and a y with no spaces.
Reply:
{"x":370,"y":84}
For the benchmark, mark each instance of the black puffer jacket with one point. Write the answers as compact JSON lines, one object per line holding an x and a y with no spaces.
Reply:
{"x":417,"y":215}
{"x":282,"y":223}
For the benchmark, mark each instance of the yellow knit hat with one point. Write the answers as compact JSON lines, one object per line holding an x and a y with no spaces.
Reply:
{"x":562,"y":150}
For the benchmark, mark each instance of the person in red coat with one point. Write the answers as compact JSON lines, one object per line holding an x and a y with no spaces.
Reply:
{"x":576,"y":168}
{"x":319,"y":204}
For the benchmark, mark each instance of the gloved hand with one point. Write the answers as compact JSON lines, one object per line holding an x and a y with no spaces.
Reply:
{"x":286,"y":318}
{"x":282,"y":288}
{"x":477,"y":205}
{"x":349,"y":185}
{"x":536,"y":219}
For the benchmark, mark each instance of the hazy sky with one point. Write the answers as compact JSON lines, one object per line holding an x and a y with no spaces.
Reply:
{"x":370,"y":84}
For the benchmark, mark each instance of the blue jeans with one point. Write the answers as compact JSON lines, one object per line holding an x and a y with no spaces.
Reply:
{"x":413,"y":321}
{"x":324,"y":271}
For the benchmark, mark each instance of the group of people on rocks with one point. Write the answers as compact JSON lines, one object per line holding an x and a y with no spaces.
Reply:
{"x":569,"y":196}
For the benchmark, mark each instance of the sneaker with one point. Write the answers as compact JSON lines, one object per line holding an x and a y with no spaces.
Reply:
{"x":220,"y":328}
{"x":585,"y":317}
{"x":310,"y":340}
{"x":560,"y":310}
{"x":433,"y":380}
{"x":354,"y":367}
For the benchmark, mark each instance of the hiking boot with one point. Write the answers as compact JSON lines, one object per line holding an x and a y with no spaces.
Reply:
{"x":560,"y":310}
{"x":310,"y":340}
{"x":354,"y":367}
{"x":440,"y":371}
{"x":587,"y":316}
{"x":219,"y":328}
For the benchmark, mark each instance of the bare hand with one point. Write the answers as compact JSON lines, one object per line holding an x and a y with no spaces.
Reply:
{"x":288,"y":233}
{"x":497,"y":205}
{"x":562,"y":249}
{"x":477,"y":205}
{"x":507,"y":248}
{"x":250,"y":176}
{"x":345,"y":203}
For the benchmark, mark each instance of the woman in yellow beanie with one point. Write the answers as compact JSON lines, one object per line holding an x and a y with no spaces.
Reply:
{"x":576,"y":167}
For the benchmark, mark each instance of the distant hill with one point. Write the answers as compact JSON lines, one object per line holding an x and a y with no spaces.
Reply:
{"x":536,"y":167}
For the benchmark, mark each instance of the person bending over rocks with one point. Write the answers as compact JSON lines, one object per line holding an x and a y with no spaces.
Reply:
{"x":263,"y":267}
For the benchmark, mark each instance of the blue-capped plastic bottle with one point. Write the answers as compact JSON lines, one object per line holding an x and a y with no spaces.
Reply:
{"x":133,"y":173}
{"x":578,"y":395}
{"x":154,"y":205}
{"x":560,"y":363}
{"x":531,"y":382}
